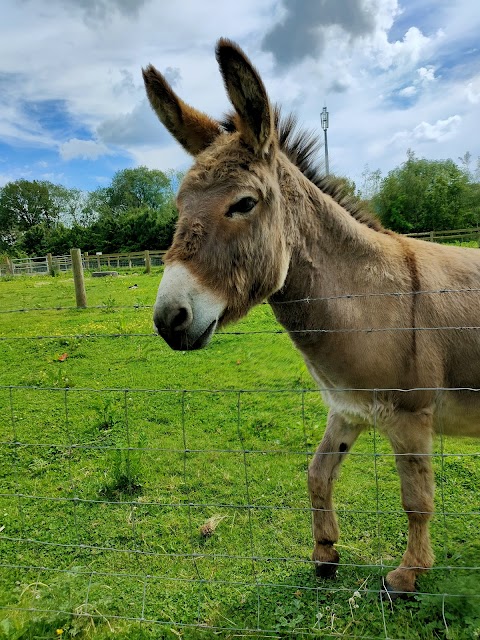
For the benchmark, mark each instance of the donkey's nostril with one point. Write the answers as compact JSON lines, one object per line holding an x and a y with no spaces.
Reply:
{"x":181,"y":319}
{"x":174,"y":322}
{"x":159,"y":325}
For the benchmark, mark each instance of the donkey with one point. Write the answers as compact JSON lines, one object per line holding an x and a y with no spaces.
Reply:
{"x":382,"y":320}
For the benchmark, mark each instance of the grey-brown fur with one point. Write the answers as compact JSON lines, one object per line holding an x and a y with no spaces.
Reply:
{"x":302,"y":242}
{"x":301,"y":147}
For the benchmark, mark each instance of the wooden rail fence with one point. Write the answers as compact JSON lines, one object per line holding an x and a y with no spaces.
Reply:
{"x":147,"y":259}
{"x":458,"y":235}
{"x":98,"y":262}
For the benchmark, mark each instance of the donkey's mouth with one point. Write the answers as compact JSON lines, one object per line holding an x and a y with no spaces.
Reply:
{"x":205,"y":337}
{"x":181,"y":341}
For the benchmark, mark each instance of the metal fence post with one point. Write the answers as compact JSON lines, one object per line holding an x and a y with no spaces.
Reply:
{"x":148,"y":262}
{"x":80,"y":293}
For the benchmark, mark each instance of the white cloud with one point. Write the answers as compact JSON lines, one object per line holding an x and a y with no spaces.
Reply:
{"x":438,"y":131}
{"x":53,"y":176}
{"x":15,"y":125}
{"x":473,"y":91}
{"x":426,"y":74}
{"x":408,"y":92}
{"x":171,"y":157}
{"x":18,"y":174}
{"x":5,"y":178}
{"x":139,"y":126}
{"x":426,"y":132}
{"x":85,"y":149}
{"x":405,"y":53}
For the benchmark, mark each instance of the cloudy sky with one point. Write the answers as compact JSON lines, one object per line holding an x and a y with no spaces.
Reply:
{"x":394,"y":74}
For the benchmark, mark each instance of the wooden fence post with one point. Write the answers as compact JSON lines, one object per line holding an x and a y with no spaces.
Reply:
{"x":10,"y":266}
{"x":80,"y":293}
{"x":148,"y":262}
{"x":49,"y":264}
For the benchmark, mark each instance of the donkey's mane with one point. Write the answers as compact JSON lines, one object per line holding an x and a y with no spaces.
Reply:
{"x":301,"y":147}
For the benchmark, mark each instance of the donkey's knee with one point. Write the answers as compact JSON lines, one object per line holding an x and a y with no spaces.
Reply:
{"x":331,"y":452}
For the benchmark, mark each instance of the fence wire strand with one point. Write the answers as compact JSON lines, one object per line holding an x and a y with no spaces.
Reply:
{"x":261,"y":332}
{"x":308,"y":300}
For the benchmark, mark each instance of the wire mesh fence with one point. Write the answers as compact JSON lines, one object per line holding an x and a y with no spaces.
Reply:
{"x":121,"y":521}
{"x":186,"y":511}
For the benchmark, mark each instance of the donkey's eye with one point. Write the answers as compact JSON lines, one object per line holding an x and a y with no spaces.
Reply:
{"x":242,"y":206}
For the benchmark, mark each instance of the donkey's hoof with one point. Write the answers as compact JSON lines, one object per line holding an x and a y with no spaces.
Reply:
{"x":390,"y":594}
{"x":326,"y":560}
{"x":326,"y":569}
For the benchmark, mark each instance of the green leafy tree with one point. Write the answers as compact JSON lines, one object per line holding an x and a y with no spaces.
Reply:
{"x":137,"y":188}
{"x":95,"y":206}
{"x":71,"y":204}
{"x":146,"y":228}
{"x":472,"y":203}
{"x":23,"y":205}
{"x":371,"y":182}
{"x":35,"y":240}
{"x":424,"y":195}
{"x":137,"y":211}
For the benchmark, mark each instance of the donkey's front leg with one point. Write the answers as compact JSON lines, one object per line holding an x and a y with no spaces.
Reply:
{"x":411,"y":439}
{"x":323,"y":470}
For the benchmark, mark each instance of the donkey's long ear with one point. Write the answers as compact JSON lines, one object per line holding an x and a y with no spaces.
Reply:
{"x":247,"y":94}
{"x":193,"y":129}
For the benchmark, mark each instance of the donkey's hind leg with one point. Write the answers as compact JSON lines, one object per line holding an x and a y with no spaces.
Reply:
{"x":411,"y":440}
{"x":337,"y":441}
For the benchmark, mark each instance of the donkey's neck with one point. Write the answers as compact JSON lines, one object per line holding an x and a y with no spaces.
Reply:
{"x":331,"y":254}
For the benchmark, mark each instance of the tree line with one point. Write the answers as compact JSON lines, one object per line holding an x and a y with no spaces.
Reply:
{"x":137,"y":210}
{"x":425,"y":195}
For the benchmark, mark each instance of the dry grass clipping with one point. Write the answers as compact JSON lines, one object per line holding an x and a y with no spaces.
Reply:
{"x":208,"y":527}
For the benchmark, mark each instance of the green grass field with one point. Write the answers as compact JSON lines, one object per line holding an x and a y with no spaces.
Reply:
{"x":147,"y":493}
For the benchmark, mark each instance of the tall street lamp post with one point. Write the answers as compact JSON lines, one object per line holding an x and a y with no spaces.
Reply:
{"x":324,"y":121}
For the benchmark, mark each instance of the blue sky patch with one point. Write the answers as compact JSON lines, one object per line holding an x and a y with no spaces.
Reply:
{"x":52,"y":116}
{"x":34,"y":163}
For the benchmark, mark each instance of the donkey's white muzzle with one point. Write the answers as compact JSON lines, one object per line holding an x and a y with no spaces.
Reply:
{"x":185,"y":314}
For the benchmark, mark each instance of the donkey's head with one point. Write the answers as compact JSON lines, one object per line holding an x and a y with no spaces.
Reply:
{"x":229,"y":250}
